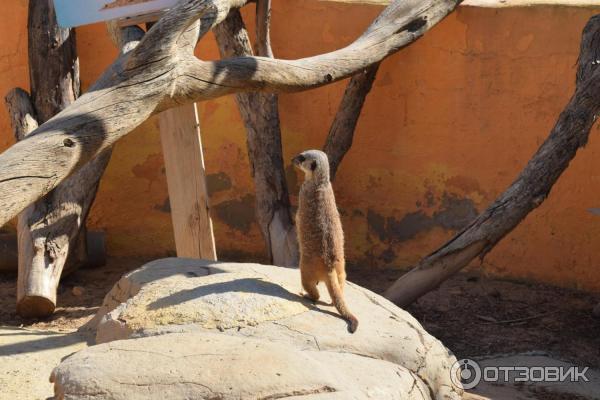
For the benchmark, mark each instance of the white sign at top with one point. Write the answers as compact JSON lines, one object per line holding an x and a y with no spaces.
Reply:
{"x":70,"y":13}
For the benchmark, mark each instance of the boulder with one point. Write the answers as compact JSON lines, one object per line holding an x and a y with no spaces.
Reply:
{"x":215,"y":366}
{"x":185,"y":328}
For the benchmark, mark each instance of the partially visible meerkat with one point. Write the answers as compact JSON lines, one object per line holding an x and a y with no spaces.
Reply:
{"x":320,"y":233}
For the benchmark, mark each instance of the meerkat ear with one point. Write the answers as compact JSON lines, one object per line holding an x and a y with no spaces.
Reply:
{"x":313,"y":165}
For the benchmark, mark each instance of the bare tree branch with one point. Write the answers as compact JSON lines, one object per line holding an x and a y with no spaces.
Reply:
{"x":23,"y":117}
{"x":161,"y":72}
{"x":263,"y":26}
{"x":260,"y":113}
{"x":527,"y":192}
{"x":341,"y":133}
{"x":52,"y":230}
{"x":52,"y":235}
{"x":400,"y":24}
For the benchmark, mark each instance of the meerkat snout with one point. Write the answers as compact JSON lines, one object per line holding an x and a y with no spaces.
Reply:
{"x":320,"y":233}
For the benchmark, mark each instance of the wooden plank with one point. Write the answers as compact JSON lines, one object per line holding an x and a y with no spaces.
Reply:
{"x":186,"y":180}
{"x":139,"y":19}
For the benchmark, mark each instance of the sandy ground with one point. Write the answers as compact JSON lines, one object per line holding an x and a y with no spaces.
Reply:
{"x":475,"y":316}
{"x":28,"y":356}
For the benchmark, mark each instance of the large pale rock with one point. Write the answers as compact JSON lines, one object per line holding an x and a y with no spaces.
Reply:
{"x":230,"y":329}
{"x":215,"y":366}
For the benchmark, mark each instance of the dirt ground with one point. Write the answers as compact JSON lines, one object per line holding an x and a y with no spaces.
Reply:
{"x":471,"y":314}
{"x":72,"y":311}
{"x":475,"y":316}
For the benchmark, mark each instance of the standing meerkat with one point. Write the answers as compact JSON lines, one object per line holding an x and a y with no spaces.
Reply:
{"x":320,"y":233}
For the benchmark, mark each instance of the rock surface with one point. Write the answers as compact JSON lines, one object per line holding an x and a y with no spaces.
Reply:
{"x":209,"y":330}
{"x":216,"y":366}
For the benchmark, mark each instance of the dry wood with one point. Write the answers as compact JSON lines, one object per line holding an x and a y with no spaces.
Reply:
{"x":51,"y":232}
{"x":186,"y":181}
{"x":162,"y":72}
{"x":263,"y":26}
{"x":53,"y":62}
{"x":260,"y":113}
{"x":493,"y":320}
{"x":48,"y":230}
{"x":526,"y":193}
{"x":341,"y":133}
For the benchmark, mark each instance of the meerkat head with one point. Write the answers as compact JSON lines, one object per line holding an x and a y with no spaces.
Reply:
{"x":314,"y":164}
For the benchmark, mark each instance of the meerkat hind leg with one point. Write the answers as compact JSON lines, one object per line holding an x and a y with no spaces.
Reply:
{"x":341,"y":274}
{"x":309,"y":283}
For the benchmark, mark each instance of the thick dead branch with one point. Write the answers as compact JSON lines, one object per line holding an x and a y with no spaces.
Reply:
{"x":527,"y":192}
{"x":400,"y":24}
{"x":161,"y":72}
{"x":260,"y":113}
{"x":263,"y":26}
{"x":341,"y":133}
{"x":22,"y":114}
{"x":53,"y":62}
{"x":48,"y":230}
{"x":51,"y":232}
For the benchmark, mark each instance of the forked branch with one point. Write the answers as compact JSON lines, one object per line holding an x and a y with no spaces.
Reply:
{"x":162,"y":72}
{"x":341,"y":134}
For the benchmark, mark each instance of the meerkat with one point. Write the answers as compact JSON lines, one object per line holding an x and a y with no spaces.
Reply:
{"x":320,"y":233}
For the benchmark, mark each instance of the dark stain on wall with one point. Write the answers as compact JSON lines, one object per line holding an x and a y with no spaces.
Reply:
{"x":164,"y":207}
{"x":217,"y":182}
{"x":376,"y":224}
{"x":388,"y":255}
{"x":237,"y":214}
{"x":453,"y":214}
{"x":409,"y":226}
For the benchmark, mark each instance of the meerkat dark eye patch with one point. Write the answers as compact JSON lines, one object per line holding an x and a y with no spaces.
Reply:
{"x":313,"y":165}
{"x":301,"y":158}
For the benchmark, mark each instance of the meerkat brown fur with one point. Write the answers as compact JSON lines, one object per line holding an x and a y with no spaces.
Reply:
{"x":320,"y":233}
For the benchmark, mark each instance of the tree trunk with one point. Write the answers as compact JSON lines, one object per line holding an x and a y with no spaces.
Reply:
{"x":341,"y":133}
{"x":526,"y":193}
{"x":260,"y":113}
{"x":51,"y":232}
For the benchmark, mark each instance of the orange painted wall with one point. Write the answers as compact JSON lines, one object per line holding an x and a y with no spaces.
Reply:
{"x":449,"y":124}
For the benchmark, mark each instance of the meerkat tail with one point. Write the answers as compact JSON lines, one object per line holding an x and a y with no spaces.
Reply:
{"x":338,"y":300}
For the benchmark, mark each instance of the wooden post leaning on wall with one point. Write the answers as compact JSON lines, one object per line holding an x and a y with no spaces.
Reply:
{"x":186,"y":180}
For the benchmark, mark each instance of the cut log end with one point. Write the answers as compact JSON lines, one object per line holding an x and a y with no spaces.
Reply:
{"x":35,"y":307}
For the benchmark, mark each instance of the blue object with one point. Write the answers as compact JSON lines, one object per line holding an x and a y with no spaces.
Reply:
{"x":71,"y":13}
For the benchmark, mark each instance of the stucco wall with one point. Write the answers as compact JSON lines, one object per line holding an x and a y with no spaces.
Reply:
{"x":449,"y":124}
